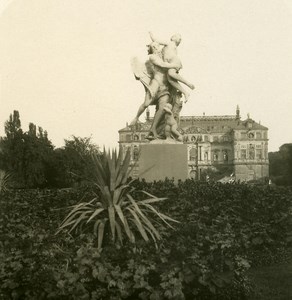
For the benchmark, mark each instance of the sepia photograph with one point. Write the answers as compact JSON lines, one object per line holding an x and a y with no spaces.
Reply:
{"x":146,"y":149}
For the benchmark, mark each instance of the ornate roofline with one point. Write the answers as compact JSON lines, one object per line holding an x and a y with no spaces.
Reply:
{"x":209,"y":118}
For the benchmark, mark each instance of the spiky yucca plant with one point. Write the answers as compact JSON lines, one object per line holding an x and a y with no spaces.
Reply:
{"x":4,"y":180}
{"x":113,"y":210}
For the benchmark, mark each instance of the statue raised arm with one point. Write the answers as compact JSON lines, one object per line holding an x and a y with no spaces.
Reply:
{"x":158,"y":90}
{"x":170,"y":55}
{"x":152,"y":75}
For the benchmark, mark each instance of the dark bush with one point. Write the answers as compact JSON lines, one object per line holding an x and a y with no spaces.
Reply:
{"x":224,"y":229}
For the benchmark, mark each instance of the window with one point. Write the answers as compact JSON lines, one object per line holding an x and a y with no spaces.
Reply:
{"x":193,"y":174}
{"x":193,"y":154}
{"x":259,"y":153}
{"x":206,"y":138}
{"x":215,"y":156}
{"x":243,"y":153}
{"x":251,"y":152}
{"x":136,"y":137}
{"x":206,"y":156}
{"x":251,"y":135}
{"x":258,"y":135}
{"x":186,"y":138}
{"x":243,"y":135}
{"x":225,"y":156}
{"x":128,"y":137}
{"x":135,"y":153}
{"x":215,"y":138}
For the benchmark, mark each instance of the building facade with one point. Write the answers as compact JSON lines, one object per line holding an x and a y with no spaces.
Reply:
{"x":217,"y":146}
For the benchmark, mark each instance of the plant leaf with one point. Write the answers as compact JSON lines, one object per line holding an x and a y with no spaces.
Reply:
{"x":119,"y":232}
{"x":100,"y":234}
{"x":96,"y":212}
{"x":124,"y":222}
{"x":139,"y":225}
{"x":112,"y":219}
{"x":82,"y":217}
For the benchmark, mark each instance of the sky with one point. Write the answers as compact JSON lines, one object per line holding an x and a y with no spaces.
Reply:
{"x":65,"y":64}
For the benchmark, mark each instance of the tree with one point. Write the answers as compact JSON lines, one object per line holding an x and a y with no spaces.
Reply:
{"x":75,"y":160}
{"x":38,"y":154}
{"x":281,"y":165}
{"x":28,"y":155}
{"x":11,"y":156}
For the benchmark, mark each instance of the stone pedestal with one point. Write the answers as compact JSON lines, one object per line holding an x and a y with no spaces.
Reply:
{"x":160,"y":160}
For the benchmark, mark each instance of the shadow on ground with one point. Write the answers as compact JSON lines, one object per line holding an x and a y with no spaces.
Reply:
{"x":272,"y":282}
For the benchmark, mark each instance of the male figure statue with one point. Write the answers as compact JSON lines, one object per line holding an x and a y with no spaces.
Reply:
{"x":157,"y":91}
{"x":169,"y":53}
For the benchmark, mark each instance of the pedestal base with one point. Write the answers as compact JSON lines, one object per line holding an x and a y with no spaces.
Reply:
{"x":158,"y":161}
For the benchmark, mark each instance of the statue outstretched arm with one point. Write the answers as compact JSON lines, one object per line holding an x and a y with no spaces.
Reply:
{"x":154,"y":39}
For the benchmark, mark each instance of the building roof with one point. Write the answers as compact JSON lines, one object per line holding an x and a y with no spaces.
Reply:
{"x":204,"y":124}
{"x":138,"y":127}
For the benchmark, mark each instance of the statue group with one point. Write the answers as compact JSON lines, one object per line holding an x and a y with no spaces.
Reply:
{"x":161,"y":80}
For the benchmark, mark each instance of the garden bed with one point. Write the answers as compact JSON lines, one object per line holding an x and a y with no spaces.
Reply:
{"x":224,"y":230}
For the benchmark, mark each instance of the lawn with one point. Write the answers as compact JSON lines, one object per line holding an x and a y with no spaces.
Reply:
{"x":272,"y":282}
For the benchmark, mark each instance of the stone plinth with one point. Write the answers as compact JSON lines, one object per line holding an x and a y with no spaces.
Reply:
{"x":160,"y":160}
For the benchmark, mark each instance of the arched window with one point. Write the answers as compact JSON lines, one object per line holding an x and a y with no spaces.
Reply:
{"x":193,"y":154}
{"x":215,"y":156}
{"x":206,"y":156}
{"x":193,"y":174}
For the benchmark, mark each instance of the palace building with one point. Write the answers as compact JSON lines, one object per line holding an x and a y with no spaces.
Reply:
{"x":216,"y":145}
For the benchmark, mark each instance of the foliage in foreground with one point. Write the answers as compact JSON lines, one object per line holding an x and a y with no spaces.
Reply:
{"x":223,"y":229}
{"x":5,"y":178}
{"x":113,"y":211}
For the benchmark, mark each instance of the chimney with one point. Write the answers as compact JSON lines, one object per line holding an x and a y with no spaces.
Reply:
{"x":237,"y":113}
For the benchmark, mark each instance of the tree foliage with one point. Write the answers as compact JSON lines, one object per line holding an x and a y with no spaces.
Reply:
{"x":26,"y":154}
{"x":34,"y":161}
{"x":281,"y":165}
{"x":76,"y":160}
